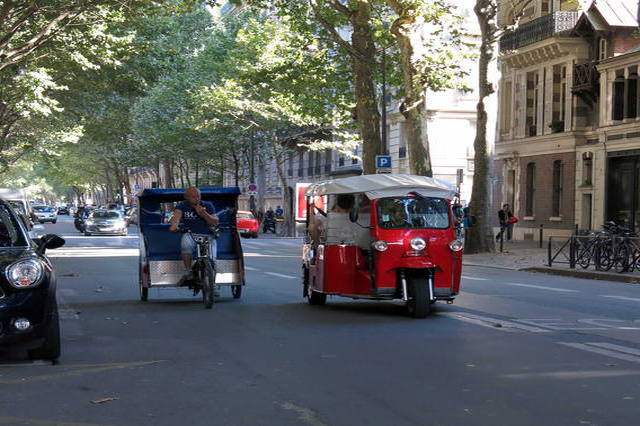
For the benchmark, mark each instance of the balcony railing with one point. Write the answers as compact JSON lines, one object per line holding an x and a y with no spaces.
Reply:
{"x":539,"y":29}
{"x":586,"y":81}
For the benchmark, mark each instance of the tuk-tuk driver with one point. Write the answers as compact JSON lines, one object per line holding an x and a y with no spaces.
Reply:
{"x":198,"y":216}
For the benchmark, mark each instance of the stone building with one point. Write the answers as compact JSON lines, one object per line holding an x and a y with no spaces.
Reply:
{"x":560,"y":70}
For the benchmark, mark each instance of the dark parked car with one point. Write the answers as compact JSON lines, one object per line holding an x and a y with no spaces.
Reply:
{"x":28,"y":308}
{"x":63,"y":210}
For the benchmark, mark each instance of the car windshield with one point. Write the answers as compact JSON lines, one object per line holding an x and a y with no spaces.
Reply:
{"x":10,"y":232}
{"x":105,"y":215}
{"x":244,"y":216}
{"x":413,"y":213}
{"x":44,"y":209}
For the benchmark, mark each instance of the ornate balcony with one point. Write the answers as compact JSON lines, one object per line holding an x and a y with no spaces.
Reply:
{"x":586,"y":81}
{"x":537,"y":30}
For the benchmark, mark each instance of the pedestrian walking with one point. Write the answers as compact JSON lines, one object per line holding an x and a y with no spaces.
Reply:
{"x":506,"y":219}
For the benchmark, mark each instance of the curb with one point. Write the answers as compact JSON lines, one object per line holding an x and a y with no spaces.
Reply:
{"x":604,"y":276}
{"x":508,"y":268}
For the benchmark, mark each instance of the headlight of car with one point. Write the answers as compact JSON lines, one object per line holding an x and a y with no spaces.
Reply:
{"x":90,"y":222}
{"x":456,"y":245}
{"x":25,"y":273}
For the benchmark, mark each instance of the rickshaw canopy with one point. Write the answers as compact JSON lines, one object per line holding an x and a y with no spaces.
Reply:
{"x":384,"y":185}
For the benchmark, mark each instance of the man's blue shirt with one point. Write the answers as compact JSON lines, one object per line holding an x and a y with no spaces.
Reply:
{"x":190,"y":218}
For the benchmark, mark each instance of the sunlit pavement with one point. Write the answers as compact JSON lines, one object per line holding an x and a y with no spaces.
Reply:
{"x":515,"y":349}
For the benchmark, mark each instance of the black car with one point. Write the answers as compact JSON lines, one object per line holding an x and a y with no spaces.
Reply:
{"x":63,"y":210}
{"x":28,"y":308}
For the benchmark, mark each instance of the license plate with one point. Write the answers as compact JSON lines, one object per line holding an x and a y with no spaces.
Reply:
{"x":243,"y":230}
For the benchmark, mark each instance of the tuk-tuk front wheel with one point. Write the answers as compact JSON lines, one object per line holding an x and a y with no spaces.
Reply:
{"x":419,"y":305}
{"x":236,"y":291}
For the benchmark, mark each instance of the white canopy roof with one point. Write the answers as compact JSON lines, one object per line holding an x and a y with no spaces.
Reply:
{"x":384,"y":185}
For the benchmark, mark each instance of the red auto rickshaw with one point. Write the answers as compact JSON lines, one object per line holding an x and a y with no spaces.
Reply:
{"x":388,"y":236}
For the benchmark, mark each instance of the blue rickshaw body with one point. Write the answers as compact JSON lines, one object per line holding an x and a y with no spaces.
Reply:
{"x":160,"y":260}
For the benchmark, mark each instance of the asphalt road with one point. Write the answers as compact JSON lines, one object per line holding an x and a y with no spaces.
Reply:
{"x":515,"y":349}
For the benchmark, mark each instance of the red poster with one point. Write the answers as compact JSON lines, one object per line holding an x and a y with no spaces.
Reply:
{"x":301,"y":202}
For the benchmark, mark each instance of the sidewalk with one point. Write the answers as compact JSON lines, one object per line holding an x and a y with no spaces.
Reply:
{"x":528,"y":256}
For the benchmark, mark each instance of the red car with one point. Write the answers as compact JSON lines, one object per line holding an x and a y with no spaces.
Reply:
{"x":247,"y":224}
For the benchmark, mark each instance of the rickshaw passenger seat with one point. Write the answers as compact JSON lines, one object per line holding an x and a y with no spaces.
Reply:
{"x":160,"y":243}
{"x":339,"y":229}
{"x":361,"y":231}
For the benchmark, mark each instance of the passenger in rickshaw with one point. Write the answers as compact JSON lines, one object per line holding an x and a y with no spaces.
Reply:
{"x":197,"y":216}
{"x":336,"y":227}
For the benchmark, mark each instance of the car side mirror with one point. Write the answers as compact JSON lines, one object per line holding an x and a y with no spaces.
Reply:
{"x":355,"y":211}
{"x":51,"y":241}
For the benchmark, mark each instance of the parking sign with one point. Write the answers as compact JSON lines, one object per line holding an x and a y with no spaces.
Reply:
{"x":383,"y":163}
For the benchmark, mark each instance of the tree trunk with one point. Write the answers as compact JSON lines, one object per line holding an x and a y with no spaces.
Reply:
{"x":363,"y":66}
{"x":413,"y":108}
{"x":236,"y":168}
{"x":480,"y":236}
{"x":187,"y":171}
{"x":286,"y":197}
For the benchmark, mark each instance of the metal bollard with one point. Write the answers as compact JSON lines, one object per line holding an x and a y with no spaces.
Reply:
{"x":541,"y":234}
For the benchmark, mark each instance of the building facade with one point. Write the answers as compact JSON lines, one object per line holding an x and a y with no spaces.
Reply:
{"x":553,"y":152}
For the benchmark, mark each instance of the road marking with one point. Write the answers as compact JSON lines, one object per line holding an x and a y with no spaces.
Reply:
{"x":475,"y":278}
{"x":624,"y":349}
{"x":275,"y":274}
{"x":270,"y":255}
{"x":21,"y":421}
{"x":584,"y":374}
{"x":97,"y":368}
{"x":541,"y":287}
{"x":491,"y":322}
{"x":632,"y":299}
{"x":249,"y":268}
{"x":305,"y":415}
{"x":601,"y":351}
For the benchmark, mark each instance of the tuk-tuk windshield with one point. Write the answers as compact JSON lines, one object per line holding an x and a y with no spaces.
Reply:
{"x":413,"y":213}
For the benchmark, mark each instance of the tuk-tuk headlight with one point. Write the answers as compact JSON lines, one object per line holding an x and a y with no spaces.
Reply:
{"x":25,"y":273}
{"x":456,"y":245}
{"x":418,"y":244}
{"x":380,"y":245}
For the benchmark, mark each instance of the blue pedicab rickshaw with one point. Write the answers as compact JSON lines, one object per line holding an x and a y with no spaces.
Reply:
{"x":160,"y":263}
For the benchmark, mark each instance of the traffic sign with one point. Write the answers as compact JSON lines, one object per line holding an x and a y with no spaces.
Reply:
{"x":252,"y":189}
{"x":136,"y":187}
{"x":383,"y":163}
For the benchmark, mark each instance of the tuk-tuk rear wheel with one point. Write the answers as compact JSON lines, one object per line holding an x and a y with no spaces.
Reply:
{"x":315,"y":297}
{"x":236,"y":291}
{"x":419,"y":305}
{"x":144,"y":293}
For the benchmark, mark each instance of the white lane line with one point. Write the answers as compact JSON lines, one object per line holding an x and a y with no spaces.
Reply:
{"x":619,"y":348}
{"x":275,"y":274}
{"x":632,"y":299}
{"x":541,"y":287}
{"x":492,"y":322}
{"x":601,"y":351}
{"x":475,"y":278}
{"x":249,"y":268}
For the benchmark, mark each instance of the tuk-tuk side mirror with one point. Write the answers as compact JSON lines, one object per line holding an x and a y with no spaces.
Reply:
{"x":51,"y":241}
{"x":354,"y":213}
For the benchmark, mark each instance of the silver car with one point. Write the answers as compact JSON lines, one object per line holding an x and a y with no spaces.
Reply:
{"x":110,"y":222}
{"x":46,"y":214}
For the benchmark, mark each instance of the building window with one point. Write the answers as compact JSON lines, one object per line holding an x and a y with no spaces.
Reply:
{"x":544,"y":7}
{"x":617,"y":112}
{"x":301,"y":164}
{"x":511,"y":188}
{"x":558,"y":113}
{"x":533,"y":79}
{"x":602,"y":49}
{"x":507,"y":89}
{"x":531,"y":189}
{"x":341,"y":161}
{"x":587,"y":168}
{"x":402,"y":141}
{"x":328,"y":160}
{"x":631,"y":106}
{"x":556,"y":200}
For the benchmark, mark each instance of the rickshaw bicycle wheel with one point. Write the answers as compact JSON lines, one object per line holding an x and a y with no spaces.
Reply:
{"x":419,"y":306}
{"x":207,"y":281}
{"x":236,"y":291}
